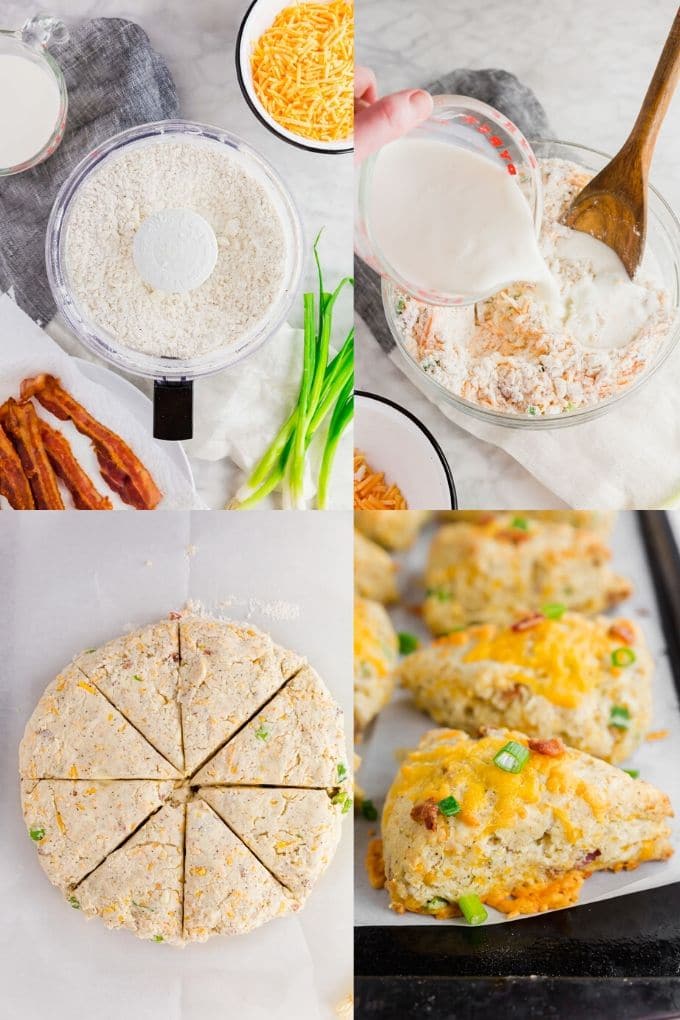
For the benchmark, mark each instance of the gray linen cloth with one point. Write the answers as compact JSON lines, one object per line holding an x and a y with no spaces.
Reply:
{"x":115,"y":80}
{"x":499,"y":89}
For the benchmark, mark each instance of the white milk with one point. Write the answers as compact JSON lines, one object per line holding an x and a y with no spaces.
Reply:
{"x":451,"y":221}
{"x":29,"y":108}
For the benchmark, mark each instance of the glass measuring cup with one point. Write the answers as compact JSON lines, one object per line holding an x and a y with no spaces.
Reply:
{"x":478,"y":128}
{"x":30,"y":43}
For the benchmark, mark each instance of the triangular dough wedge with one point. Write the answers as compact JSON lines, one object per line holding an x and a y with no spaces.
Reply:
{"x":75,"y":825}
{"x":75,"y":733}
{"x":227,"y":672}
{"x":139,"y":674}
{"x":140,"y":886}
{"x":226,"y":889}
{"x":296,"y":740}
{"x":294,"y":833}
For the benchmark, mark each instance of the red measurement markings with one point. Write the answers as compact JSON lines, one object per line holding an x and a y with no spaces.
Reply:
{"x":495,"y":140}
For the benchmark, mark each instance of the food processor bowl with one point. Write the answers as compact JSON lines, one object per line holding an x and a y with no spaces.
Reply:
{"x":663,"y":241}
{"x":173,"y":377}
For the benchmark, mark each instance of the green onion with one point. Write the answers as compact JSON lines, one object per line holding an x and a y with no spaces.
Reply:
{"x":633,"y":773}
{"x":554,"y":610}
{"x":74,"y":902}
{"x":623,"y":657}
{"x":531,"y":409}
{"x":137,"y":678}
{"x":436,"y":903}
{"x":36,"y":834}
{"x":439,"y":593}
{"x":521,"y":523}
{"x":369,"y":810}
{"x":473,"y":909}
{"x":158,"y":938}
{"x":262,"y":732}
{"x":342,"y":798}
{"x":341,"y":769}
{"x":326,"y":387}
{"x":512,"y":757}
{"x":449,"y":806}
{"x":407,"y":643}
{"x":619,"y":717}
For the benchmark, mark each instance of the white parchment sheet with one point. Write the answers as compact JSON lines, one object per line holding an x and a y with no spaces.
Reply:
{"x":400,"y":727}
{"x":72,"y":580}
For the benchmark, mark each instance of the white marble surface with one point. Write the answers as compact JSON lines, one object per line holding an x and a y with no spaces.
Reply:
{"x":197,"y":38}
{"x":589,"y":64}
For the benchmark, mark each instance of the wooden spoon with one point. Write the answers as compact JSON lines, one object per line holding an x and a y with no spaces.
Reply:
{"x":613,"y":206}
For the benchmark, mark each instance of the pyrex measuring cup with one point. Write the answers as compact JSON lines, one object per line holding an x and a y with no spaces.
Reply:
{"x":468,"y":124}
{"x":30,"y":43}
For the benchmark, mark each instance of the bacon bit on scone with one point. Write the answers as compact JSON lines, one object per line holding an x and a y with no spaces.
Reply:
{"x":624,"y":631}
{"x":513,"y":535}
{"x":592,"y":856}
{"x":174,"y":615}
{"x":553,"y":748}
{"x":528,"y":622}
{"x":426,"y":813}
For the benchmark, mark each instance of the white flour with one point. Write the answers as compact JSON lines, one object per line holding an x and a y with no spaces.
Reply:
{"x":106,"y":215}
{"x":516,"y":354}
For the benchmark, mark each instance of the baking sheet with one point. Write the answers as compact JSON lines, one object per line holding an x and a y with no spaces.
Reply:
{"x":27,"y":351}
{"x":400,"y":727}
{"x":70,"y":581}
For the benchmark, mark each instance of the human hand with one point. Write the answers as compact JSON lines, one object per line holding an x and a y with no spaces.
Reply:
{"x":378,"y":121}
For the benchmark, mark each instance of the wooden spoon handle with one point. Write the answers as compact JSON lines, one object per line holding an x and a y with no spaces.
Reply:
{"x":658,"y":96}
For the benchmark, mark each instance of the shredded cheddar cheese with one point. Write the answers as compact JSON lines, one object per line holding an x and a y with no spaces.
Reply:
{"x":303,"y":70}
{"x":371,"y":491}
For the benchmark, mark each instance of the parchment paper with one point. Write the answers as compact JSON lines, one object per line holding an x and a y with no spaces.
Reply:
{"x":400,"y":726}
{"x":26,"y":351}
{"x":70,"y":581}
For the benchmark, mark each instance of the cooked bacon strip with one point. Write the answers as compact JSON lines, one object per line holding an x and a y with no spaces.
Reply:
{"x":14,"y":484}
{"x":79,"y":484}
{"x":426,"y":813}
{"x":120,"y":467}
{"x":23,"y":425}
{"x":528,"y":622}
{"x":624,"y":631}
{"x":553,"y":748}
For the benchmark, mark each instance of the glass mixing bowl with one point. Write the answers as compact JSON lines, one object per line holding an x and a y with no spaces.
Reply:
{"x":173,"y":376}
{"x":663,"y":241}
{"x":462,"y":123}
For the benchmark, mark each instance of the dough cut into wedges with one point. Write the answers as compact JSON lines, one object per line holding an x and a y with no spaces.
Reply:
{"x":226,"y":889}
{"x":139,"y":674}
{"x":140,"y":886}
{"x":75,"y":733}
{"x":294,"y":833}
{"x":521,"y":822}
{"x":296,"y":740}
{"x":76,"y":824}
{"x":228,"y":671}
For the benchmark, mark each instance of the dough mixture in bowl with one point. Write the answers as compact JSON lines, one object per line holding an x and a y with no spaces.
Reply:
{"x":518,"y":352}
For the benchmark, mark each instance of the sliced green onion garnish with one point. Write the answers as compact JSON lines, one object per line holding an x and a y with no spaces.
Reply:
{"x":342,"y":771}
{"x":158,"y":938}
{"x":554,"y":610}
{"x":436,"y":903}
{"x":438,"y":593}
{"x":74,"y":902}
{"x":623,"y":657}
{"x":473,"y":909}
{"x":261,"y":732}
{"x":36,"y":834}
{"x":633,"y":773}
{"x":138,"y":678}
{"x":520,"y":522}
{"x":342,"y":798}
{"x":407,"y":643}
{"x":619,"y":717}
{"x":512,"y":757}
{"x":369,"y":810}
{"x":449,"y":806}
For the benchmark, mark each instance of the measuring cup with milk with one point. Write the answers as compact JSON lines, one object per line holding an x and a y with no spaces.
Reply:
{"x":33,"y":97}
{"x":451,"y":212}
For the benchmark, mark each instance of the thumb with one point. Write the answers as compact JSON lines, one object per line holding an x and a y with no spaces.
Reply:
{"x":389,"y":118}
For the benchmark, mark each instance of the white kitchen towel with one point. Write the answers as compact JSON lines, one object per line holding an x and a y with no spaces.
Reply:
{"x":239,"y":412}
{"x":27,"y":351}
{"x":627,"y":459}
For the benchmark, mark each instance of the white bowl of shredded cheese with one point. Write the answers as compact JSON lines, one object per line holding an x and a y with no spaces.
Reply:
{"x":295,"y":66}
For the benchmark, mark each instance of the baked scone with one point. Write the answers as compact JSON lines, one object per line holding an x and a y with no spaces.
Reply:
{"x":601,"y":521}
{"x":375,"y":571}
{"x":586,"y":680}
{"x":509,"y":568}
{"x":393,"y":529}
{"x":376,"y":651}
{"x":456,"y":823}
